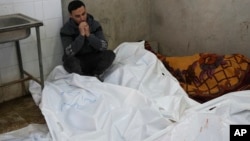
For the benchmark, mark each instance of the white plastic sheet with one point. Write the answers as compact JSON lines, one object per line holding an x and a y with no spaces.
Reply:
{"x":139,"y":69}
{"x":86,"y":109}
{"x":211,"y":121}
{"x":139,"y":100}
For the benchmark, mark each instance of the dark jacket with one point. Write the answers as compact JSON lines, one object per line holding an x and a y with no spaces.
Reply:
{"x":74,"y":44}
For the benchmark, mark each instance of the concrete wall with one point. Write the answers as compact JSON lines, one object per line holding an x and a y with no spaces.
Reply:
{"x":181,"y":27}
{"x":184,"y":27}
{"x":122,"y":20}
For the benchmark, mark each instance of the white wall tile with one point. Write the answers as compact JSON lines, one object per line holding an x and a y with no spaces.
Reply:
{"x":51,"y":47}
{"x":6,"y":9}
{"x":32,"y":67}
{"x":8,"y":54}
{"x":9,"y":74}
{"x":8,"y":44}
{"x":50,"y":63}
{"x":52,"y":27}
{"x":22,"y":1}
{"x":25,"y":8}
{"x":39,"y":10}
{"x":6,"y":2}
{"x":29,"y":51}
{"x":53,"y":9}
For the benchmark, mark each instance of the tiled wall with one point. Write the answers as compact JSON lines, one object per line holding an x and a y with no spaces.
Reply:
{"x":48,"y":11}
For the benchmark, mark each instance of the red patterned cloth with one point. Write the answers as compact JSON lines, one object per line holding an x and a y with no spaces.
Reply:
{"x":205,"y":76}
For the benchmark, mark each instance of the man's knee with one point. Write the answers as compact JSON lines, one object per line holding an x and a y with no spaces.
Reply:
{"x":72,"y":65}
{"x":109,"y":55}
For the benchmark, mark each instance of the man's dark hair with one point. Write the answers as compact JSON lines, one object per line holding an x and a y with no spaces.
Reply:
{"x":73,"y":5}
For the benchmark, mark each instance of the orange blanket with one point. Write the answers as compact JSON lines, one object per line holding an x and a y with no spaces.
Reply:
{"x":205,"y":76}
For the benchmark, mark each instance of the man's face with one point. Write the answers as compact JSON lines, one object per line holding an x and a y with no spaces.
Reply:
{"x":79,"y":15}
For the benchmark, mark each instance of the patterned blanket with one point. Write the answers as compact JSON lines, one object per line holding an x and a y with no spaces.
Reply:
{"x":205,"y":76}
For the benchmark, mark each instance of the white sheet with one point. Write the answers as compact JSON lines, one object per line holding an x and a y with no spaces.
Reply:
{"x":139,"y":100}
{"x":137,"y":68}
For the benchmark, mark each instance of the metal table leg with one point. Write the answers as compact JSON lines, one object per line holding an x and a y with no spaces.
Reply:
{"x":40,"y":56}
{"x":20,"y":64}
